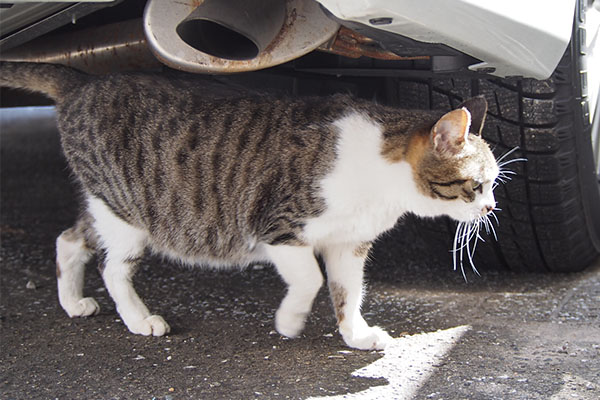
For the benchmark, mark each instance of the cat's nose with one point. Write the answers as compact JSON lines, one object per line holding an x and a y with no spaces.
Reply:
{"x":488,"y":209}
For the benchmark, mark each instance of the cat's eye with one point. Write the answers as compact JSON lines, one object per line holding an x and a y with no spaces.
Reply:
{"x":478,"y":187}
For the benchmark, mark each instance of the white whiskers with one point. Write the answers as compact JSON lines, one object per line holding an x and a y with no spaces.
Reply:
{"x":506,"y":174}
{"x":468,"y":233}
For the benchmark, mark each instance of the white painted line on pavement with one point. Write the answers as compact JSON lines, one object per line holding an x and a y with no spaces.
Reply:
{"x":407,"y":363}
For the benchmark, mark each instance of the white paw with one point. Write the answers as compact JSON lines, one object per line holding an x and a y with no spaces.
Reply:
{"x":289,"y":324}
{"x":153,"y":325}
{"x":83,"y":308}
{"x":367,"y":338}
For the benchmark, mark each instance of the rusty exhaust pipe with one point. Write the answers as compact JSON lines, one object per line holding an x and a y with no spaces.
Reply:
{"x":201,"y":36}
{"x":109,"y":48}
{"x":217,"y":36}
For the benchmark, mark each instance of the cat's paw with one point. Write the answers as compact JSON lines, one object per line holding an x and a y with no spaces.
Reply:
{"x":289,"y":324}
{"x":153,"y":325}
{"x":367,"y":338}
{"x":82,"y":308}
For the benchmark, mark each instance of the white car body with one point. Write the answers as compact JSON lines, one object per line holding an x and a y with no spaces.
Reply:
{"x":512,"y":37}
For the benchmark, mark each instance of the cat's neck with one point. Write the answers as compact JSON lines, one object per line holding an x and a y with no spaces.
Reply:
{"x":366,"y":190}
{"x":372,"y":165}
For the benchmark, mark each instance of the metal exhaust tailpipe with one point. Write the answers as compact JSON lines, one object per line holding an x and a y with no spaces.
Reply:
{"x":228,"y":36}
{"x":233,"y":29}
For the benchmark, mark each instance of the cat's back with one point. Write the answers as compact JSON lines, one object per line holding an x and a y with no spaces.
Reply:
{"x":146,"y":99}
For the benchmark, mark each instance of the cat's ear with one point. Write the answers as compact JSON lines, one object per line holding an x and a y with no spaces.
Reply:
{"x":477,"y":106}
{"x":450,"y":134}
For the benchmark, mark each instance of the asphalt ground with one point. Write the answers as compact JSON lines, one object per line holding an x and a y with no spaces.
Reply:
{"x":499,"y":336}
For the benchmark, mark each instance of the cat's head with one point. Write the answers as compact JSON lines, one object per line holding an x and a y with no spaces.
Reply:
{"x":454,"y":166}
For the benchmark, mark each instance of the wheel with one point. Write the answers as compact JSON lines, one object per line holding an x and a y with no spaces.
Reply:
{"x":550,"y":210}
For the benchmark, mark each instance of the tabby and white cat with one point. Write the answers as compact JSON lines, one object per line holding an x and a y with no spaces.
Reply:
{"x":233,"y":181}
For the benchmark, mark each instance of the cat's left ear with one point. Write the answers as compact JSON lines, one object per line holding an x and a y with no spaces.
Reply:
{"x":477,"y":106}
{"x":450,"y":134}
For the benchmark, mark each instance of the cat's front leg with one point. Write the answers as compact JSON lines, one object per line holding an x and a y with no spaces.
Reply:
{"x":124,"y":245}
{"x":298,"y":267}
{"x":72,"y":253}
{"x":345,"y":265}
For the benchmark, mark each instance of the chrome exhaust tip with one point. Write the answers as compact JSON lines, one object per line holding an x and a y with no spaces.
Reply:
{"x":233,"y":29}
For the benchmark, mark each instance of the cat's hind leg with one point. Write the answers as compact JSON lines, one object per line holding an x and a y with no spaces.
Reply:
{"x":124,"y":245}
{"x":344,"y":264}
{"x":299,"y":269}
{"x":72,"y":254}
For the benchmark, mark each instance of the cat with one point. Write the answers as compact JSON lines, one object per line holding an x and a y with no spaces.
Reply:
{"x":241,"y":179}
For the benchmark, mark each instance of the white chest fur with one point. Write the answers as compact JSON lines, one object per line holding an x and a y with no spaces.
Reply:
{"x":365,"y":194}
